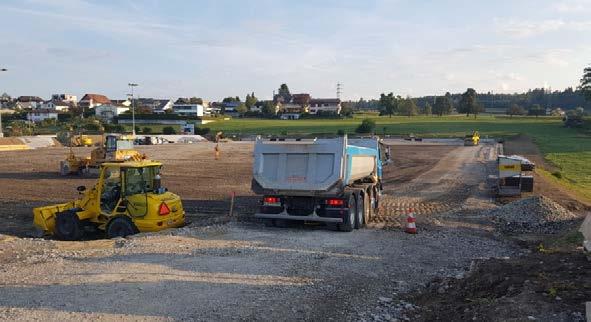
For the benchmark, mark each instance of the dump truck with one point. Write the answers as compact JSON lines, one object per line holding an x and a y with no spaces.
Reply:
{"x":336,"y":181}
{"x":127,"y":198}
{"x":472,"y":139}
{"x":116,"y":148}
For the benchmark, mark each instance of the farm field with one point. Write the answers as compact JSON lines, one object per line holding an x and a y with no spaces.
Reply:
{"x":567,"y":151}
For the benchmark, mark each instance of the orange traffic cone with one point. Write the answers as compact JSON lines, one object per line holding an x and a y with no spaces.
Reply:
{"x":411,"y":226}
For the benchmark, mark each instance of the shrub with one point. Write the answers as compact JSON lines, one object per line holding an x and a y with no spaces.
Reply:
{"x":366,"y":126}
{"x":202,"y":130}
{"x":557,"y":174}
{"x":168,"y":130}
{"x":147,"y":130}
{"x":341,"y":132}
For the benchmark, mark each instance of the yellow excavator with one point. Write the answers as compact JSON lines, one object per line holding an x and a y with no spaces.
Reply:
{"x":81,"y":140}
{"x":116,"y":148}
{"x":127,"y":198}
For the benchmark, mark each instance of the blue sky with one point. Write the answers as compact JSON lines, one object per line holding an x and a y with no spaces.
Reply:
{"x":213,"y":49}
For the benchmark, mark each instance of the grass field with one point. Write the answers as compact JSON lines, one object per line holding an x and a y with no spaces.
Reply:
{"x":568,"y":149}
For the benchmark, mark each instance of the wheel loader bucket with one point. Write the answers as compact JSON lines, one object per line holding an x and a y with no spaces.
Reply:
{"x":44,"y":217}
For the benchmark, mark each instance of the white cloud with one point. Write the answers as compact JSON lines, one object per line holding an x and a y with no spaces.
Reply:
{"x":523,"y":29}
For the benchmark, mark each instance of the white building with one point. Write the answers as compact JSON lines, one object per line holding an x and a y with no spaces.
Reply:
{"x":162,"y":106}
{"x":188,"y":109}
{"x":39,"y":115}
{"x":68,"y":98}
{"x":59,"y":106}
{"x":325,"y":105}
{"x":108,"y":112}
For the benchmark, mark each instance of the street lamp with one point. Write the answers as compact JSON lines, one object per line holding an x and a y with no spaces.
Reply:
{"x":132,"y":85}
{"x":1,"y":133}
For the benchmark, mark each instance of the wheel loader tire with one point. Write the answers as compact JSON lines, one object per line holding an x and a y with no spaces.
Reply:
{"x":349,"y":219}
{"x":68,"y":226}
{"x":120,"y":227}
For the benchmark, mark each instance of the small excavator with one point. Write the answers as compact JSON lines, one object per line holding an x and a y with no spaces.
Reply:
{"x":116,"y":148}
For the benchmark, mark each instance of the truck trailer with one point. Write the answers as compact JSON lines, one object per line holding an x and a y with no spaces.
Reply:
{"x":336,"y":181}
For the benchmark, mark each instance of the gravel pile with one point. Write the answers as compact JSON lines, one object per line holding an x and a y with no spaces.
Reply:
{"x":531,"y":215}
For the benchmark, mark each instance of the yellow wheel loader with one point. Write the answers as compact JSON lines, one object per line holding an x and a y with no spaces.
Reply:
{"x":127,"y":199}
{"x":81,"y":140}
{"x":117,"y":148}
{"x":472,"y":139}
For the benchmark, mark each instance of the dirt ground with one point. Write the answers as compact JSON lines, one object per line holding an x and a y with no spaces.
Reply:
{"x":213,"y":270}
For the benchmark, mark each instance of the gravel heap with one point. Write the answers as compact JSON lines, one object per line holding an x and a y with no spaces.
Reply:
{"x":531,"y":215}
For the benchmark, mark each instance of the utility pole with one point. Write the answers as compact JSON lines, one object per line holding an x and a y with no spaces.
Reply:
{"x":132,"y":85}
{"x":339,"y":90}
{"x":1,"y":133}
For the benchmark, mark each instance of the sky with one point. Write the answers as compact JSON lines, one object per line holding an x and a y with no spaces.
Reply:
{"x":213,"y":49}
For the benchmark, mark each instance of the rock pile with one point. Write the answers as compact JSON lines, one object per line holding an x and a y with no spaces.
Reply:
{"x":531,"y":215}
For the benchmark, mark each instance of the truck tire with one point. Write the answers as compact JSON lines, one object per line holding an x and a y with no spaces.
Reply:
{"x":120,"y":227}
{"x":360,"y":218}
{"x":68,"y":226}
{"x":349,"y":218}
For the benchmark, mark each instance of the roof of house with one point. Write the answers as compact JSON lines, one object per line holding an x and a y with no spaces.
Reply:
{"x":118,"y":102}
{"x":325,"y":101}
{"x":300,"y":98}
{"x":57,"y":103}
{"x":96,"y":98}
{"x":25,"y":99}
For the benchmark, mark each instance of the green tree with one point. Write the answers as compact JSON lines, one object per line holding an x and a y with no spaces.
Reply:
{"x":241,"y":109}
{"x":585,"y":84}
{"x":147,"y":130}
{"x":168,"y":130}
{"x":515,"y":109}
{"x":366,"y":126}
{"x":388,"y":104}
{"x":196,"y":100}
{"x":250,"y":101}
{"x":536,"y":110}
{"x":407,"y":107}
{"x":442,"y":105}
{"x":269,"y":108}
{"x":284,"y":93}
{"x":469,"y":103}
{"x":230,"y":99}
{"x":427,"y":109}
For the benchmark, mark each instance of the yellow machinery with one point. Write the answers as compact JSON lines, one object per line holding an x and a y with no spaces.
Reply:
{"x":117,"y":148}
{"x":127,"y":199}
{"x":472,"y":139}
{"x":81,"y":140}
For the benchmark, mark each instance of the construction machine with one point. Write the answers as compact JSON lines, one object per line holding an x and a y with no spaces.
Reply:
{"x":128,"y":198}
{"x":81,"y":140}
{"x":472,"y":139}
{"x":116,"y":148}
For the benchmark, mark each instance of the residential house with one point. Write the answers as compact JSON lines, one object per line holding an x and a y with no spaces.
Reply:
{"x":59,"y":106}
{"x":41,"y":114}
{"x":298,"y":104}
{"x":108,"y":112}
{"x":5,"y":100}
{"x":290,"y":116}
{"x":325,"y":105}
{"x":258,"y":106}
{"x":125,"y":102}
{"x":29,"y":101}
{"x":162,"y":106}
{"x":89,"y":101}
{"x":68,"y":98}
{"x":194,"y":110}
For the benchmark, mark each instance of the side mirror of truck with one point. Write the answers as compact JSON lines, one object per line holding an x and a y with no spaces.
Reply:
{"x":81,"y":189}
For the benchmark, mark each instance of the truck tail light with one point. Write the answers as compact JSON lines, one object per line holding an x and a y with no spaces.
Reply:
{"x":271,"y":200}
{"x":335,"y":202}
{"x":164,"y":210}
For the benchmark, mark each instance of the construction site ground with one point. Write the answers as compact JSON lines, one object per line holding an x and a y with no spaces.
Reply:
{"x":458,"y":267}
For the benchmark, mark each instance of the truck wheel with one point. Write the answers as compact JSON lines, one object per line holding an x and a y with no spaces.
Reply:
{"x":120,"y":227}
{"x":359,"y":219}
{"x":349,"y":219}
{"x":68,"y":226}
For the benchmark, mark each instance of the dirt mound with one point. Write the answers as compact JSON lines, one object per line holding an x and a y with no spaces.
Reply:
{"x":10,"y":141}
{"x":532,"y":215}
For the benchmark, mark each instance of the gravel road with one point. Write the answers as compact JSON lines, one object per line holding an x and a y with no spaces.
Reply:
{"x":244,"y":271}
